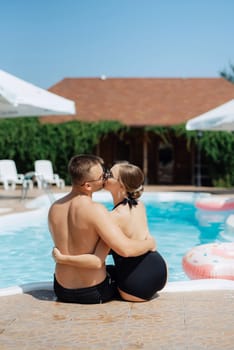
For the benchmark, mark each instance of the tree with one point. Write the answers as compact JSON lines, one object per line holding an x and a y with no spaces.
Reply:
{"x":228,"y":75}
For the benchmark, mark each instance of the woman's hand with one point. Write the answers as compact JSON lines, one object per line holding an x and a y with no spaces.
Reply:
{"x":56,"y":255}
{"x":152,"y":243}
{"x":87,"y":261}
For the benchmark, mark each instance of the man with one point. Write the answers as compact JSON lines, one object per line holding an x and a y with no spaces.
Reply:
{"x":76,"y":224}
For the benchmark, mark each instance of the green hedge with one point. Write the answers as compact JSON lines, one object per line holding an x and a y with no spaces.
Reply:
{"x":26,"y":139}
{"x":216,"y":146}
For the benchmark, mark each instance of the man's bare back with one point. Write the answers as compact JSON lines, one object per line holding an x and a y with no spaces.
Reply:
{"x":72,"y":220}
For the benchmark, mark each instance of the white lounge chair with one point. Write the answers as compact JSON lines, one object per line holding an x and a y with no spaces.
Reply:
{"x":9,"y":175}
{"x":45,"y":175}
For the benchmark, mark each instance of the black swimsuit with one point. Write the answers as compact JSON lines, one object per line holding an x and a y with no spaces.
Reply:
{"x":141,"y":276}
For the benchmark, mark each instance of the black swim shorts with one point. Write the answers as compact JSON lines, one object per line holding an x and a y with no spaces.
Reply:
{"x":101,"y":293}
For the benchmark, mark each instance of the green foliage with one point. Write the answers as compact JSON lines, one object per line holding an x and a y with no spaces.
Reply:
{"x":161,"y":131}
{"x":26,"y":140}
{"x":168,"y":132}
{"x":216,"y":146}
{"x":228,"y":75}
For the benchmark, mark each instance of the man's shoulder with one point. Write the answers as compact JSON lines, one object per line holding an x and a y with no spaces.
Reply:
{"x":56,"y":206}
{"x":99,"y":206}
{"x":59,"y":201}
{"x":86,"y":202}
{"x":81,"y":201}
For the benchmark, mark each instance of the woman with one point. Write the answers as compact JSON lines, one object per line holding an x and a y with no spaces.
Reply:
{"x":138,"y":278}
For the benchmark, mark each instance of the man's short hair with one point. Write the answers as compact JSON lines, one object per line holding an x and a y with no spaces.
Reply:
{"x":80,"y":165}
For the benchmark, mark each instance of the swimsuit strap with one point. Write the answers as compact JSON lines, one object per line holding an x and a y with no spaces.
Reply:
{"x":130,"y":201}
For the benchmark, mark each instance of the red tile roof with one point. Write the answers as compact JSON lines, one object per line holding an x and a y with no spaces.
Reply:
{"x":142,"y":101}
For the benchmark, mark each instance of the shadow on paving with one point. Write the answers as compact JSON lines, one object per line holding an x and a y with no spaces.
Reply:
{"x":47,"y":295}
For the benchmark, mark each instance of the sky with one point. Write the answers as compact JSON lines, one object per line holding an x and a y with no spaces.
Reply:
{"x":46,"y":41}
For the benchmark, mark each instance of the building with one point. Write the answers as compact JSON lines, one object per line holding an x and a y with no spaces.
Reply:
{"x":140,"y":103}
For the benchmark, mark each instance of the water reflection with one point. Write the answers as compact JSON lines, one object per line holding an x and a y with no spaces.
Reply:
{"x":212,"y":224}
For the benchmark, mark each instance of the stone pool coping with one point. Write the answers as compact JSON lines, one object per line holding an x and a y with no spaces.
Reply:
{"x":177,"y":321}
{"x":181,"y":286}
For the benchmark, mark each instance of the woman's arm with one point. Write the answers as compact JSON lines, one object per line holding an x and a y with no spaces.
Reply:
{"x":145,"y":222}
{"x":88,"y":261}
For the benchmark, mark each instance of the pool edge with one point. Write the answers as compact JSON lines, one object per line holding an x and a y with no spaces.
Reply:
{"x":171,"y":287}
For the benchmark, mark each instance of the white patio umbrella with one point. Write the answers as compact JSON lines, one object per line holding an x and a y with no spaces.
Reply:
{"x":19,"y":98}
{"x":219,"y":119}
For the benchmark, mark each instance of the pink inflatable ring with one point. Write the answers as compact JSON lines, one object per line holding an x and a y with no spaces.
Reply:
{"x":215,"y":260}
{"x":215,"y":203}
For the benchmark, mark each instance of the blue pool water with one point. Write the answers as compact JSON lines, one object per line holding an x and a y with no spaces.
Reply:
{"x":25,"y":250}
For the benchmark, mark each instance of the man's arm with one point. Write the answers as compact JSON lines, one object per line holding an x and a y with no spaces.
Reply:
{"x":114,"y":238}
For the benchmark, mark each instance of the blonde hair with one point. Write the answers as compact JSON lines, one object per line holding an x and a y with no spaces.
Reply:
{"x":132,"y":178}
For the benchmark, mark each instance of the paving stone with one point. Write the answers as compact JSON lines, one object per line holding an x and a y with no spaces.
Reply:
{"x":175,"y":321}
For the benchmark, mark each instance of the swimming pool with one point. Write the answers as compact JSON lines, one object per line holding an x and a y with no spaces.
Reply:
{"x":25,"y":251}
